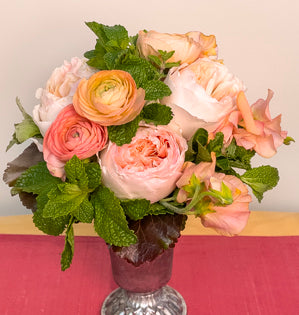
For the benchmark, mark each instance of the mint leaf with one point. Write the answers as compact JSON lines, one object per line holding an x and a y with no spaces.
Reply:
{"x":51,"y":226}
{"x":123,"y":134}
{"x":117,"y":35}
{"x":166,"y":55}
{"x":216,"y":144}
{"x":155,"y":89}
{"x":75,"y":172}
{"x":156,"y":113}
{"x":261,"y":179}
{"x":85,"y":212}
{"x":63,"y":200}
{"x":157,"y":209}
{"x":155,"y":234}
{"x":35,"y":180}
{"x":110,"y":221}
{"x":155,"y":60}
{"x":68,"y":252}
{"x":135,"y":209}
{"x":24,"y":130}
{"x":196,"y":144}
{"x":93,"y":172}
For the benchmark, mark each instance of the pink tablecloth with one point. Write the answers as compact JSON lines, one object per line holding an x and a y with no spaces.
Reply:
{"x":216,"y":275}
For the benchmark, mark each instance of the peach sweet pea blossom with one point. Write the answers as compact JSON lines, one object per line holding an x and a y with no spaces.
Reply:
{"x":229,"y":219}
{"x":203,"y":93}
{"x":71,"y":134}
{"x":59,"y":91}
{"x":109,"y":97}
{"x":148,"y":167}
{"x":188,"y":47}
{"x":261,"y":133}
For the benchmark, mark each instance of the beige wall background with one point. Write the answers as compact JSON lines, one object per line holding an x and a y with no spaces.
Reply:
{"x":258,"y":40}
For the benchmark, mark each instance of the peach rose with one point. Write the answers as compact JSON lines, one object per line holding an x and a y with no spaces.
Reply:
{"x":188,"y":47}
{"x":71,"y":134}
{"x":229,"y":219}
{"x":148,"y":167}
{"x":203,"y":93}
{"x":109,"y":97}
{"x":59,"y":91}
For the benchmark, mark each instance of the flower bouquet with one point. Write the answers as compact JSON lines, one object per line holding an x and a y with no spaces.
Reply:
{"x":142,"y":132}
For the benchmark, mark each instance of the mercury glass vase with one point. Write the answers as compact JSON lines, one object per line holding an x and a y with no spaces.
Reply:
{"x":143,"y":289}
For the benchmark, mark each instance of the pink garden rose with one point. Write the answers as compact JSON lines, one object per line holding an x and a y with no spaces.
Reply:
{"x":148,"y":167}
{"x":69,"y":135}
{"x":229,"y":219}
{"x":203,"y":93}
{"x":59,"y":91}
{"x":188,"y":47}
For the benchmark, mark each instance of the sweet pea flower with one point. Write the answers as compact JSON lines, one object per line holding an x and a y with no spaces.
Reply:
{"x":188,"y":47}
{"x":109,"y":97}
{"x":203,"y":93}
{"x":59,"y":91}
{"x":228,"y":219}
{"x":148,"y":167}
{"x":71,"y":134}
{"x":261,"y":133}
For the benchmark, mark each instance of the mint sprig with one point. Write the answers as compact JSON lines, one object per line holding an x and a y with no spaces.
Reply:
{"x":68,"y":252}
{"x":110,"y":221}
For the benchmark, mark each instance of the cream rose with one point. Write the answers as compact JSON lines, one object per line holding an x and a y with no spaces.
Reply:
{"x":148,"y":167}
{"x":203,"y":93}
{"x":109,"y":97}
{"x":59,"y":91}
{"x":188,"y":47}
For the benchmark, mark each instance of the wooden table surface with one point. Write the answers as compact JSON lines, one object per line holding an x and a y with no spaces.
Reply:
{"x":261,"y":223}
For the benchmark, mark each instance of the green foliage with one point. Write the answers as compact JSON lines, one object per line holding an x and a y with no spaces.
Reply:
{"x":110,"y":221}
{"x":123,"y":134}
{"x":288,"y":140}
{"x":261,"y":179}
{"x":68,"y":252}
{"x":135,"y":209}
{"x":156,"y":113}
{"x":116,"y":50}
{"x":24,"y":130}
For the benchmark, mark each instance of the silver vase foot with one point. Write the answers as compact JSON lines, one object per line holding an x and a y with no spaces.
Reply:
{"x":165,"y":301}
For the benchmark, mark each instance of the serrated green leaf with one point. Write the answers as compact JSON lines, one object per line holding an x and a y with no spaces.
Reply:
{"x":85,"y":212}
{"x":117,"y":34}
{"x":216,"y":144}
{"x":63,"y":201}
{"x":156,"y":113}
{"x":140,"y":69}
{"x":68,"y":252}
{"x":157,"y":209}
{"x":112,"y":59}
{"x":197,"y":141}
{"x":36,"y":179}
{"x":93,"y":172}
{"x":261,"y":179}
{"x":98,"y":30}
{"x":135,"y":209}
{"x":166,"y":55}
{"x":51,"y":226}
{"x":75,"y":172}
{"x":169,"y":65}
{"x":110,"y":221}
{"x":155,"y":89}
{"x":155,"y":60}
{"x":123,"y":134}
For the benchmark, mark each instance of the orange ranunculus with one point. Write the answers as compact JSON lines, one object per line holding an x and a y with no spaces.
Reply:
{"x":188,"y":47}
{"x":109,"y":97}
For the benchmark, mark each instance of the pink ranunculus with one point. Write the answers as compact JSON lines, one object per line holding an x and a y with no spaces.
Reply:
{"x":188,"y":47}
{"x":148,"y":167}
{"x":203,"y":93}
{"x":229,"y":219}
{"x":59,"y":91}
{"x":261,"y":133}
{"x":69,"y":135}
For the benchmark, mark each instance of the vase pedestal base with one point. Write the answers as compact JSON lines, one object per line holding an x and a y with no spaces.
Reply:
{"x":165,"y":301}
